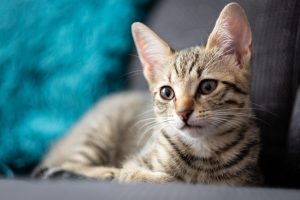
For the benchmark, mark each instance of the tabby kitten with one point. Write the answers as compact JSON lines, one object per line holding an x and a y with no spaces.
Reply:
{"x":200,"y":129}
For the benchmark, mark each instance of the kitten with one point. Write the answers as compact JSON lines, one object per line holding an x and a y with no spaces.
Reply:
{"x":200,"y":129}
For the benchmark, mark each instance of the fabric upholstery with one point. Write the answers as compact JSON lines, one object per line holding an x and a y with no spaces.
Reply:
{"x":293,"y":146}
{"x":111,"y":190}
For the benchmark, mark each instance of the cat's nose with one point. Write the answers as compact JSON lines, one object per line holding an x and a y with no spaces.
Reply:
{"x":184,"y":114}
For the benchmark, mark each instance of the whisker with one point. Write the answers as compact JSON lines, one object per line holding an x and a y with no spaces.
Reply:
{"x":133,"y":73}
{"x":146,"y":112}
{"x":251,"y":116}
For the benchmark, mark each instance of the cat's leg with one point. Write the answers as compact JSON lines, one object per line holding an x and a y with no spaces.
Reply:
{"x":144,"y":175}
{"x":98,"y":172}
{"x":76,"y":171}
{"x":111,"y":173}
{"x":59,"y":173}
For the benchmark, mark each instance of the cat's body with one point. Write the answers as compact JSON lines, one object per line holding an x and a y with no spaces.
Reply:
{"x":196,"y":127}
{"x":110,"y":125}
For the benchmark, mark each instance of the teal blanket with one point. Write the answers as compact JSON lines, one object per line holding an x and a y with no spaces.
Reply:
{"x":57,"y":57}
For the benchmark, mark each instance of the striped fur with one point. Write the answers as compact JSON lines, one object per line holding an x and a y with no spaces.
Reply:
{"x":137,"y":137}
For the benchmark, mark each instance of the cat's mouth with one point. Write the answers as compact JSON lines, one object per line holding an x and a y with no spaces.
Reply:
{"x":190,"y":125}
{"x":192,"y":131}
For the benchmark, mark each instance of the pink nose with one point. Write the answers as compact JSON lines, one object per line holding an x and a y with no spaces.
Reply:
{"x":184,"y":114}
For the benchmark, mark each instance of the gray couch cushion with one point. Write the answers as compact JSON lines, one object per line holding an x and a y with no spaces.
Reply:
{"x":47,"y":190}
{"x":293,"y":144}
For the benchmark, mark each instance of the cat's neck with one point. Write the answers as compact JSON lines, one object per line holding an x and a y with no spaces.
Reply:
{"x":207,"y":144}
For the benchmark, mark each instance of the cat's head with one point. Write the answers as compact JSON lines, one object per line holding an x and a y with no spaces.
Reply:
{"x":200,"y":88}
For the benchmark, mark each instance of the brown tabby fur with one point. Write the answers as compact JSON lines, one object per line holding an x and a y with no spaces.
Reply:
{"x":123,"y":138}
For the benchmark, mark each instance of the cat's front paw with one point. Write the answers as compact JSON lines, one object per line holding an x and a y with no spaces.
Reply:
{"x":96,"y":172}
{"x":104,"y":173}
{"x":145,"y":176}
{"x":58,"y":173}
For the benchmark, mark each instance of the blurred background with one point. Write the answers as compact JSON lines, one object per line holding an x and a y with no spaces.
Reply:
{"x":58,"y":57}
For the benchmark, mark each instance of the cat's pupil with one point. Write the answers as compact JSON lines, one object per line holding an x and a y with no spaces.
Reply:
{"x":207,"y":87}
{"x":167,"y":92}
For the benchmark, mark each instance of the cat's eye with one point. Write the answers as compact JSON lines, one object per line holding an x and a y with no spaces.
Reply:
{"x":167,"y":93}
{"x":207,"y":86}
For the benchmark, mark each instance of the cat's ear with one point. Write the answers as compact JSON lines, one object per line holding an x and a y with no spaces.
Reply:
{"x":153,"y":51}
{"x":232,"y":33}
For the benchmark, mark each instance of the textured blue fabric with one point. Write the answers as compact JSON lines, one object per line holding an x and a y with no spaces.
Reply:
{"x":57,"y":57}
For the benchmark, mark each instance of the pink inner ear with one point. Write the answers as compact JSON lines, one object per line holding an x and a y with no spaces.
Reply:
{"x":152,"y":50}
{"x":232,"y":33}
{"x":234,"y":36}
{"x":145,"y":60}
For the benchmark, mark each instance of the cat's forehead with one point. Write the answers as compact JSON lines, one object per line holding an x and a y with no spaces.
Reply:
{"x":193,"y":62}
{"x":190,"y":56}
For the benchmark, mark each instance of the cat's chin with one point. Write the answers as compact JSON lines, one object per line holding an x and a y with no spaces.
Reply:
{"x":194,"y":131}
